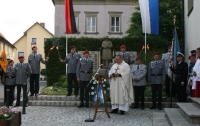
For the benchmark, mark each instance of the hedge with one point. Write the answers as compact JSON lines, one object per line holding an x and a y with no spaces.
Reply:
{"x":54,"y":69}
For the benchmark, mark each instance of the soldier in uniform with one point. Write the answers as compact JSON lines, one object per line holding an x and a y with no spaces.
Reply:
{"x":83,"y":74}
{"x":34,"y":60}
{"x":166,"y":59}
{"x":23,"y":72}
{"x":192,"y":59}
{"x":138,"y":75}
{"x":126,"y":56}
{"x":181,"y":75}
{"x":9,"y":80}
{"x":72,"y":60}
{"x":156,"y":78}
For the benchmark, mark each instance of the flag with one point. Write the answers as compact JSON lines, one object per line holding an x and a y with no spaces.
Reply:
{"x":150,"y":13}
{"x":3,"y":60}
{"x":70,"y":23}
{"x":176,"y":47}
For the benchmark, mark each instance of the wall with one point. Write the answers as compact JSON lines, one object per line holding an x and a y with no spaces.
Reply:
{"x":192,"y":27}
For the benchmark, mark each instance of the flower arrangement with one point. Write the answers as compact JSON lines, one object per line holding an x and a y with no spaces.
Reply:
{"x":6,"y":113}
{"x":94,"y":89}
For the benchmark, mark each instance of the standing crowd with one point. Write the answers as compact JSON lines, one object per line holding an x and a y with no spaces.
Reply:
{"x":127,"y":85}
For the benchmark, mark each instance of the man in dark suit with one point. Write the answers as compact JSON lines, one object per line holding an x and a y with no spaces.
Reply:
{"x":83,"y":74}
{"x":72,"y":60}
{"x":181,"y":75}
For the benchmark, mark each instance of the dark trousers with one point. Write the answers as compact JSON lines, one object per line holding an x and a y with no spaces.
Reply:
{"x":19,"y":86}
{"x":181,"y":93}
{"x":34,"y":83}
{"x":84,"y":92}
{"x":167,"y":85}
{"x":71,"y":77}
{"x":139,"y":93}
{"x":11,"y":93}
{"x":156,"y":88}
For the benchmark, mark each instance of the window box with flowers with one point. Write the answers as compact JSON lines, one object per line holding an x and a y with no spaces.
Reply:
{"x":9,"y":117}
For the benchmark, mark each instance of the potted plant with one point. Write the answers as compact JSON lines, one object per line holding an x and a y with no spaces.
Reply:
{"x":9,"y":117}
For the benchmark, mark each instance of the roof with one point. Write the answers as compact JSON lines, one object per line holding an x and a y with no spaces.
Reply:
{"x":31,"y":27}
{"x":6,"y":41}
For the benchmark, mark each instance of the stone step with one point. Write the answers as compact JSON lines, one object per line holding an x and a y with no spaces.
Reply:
{"x":196,"y":101}
{"x":176,"y":118}
{"x":191,"y":112}
{"x":74,"y":103}
{"x":160,"y":119}
{"x":73,"y":98}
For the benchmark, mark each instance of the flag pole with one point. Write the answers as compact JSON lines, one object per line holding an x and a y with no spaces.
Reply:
{"x":66,"y":50}
{"x":145,"y":43}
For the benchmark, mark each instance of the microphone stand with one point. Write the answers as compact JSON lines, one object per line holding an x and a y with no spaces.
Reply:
{"x":90,"y":119}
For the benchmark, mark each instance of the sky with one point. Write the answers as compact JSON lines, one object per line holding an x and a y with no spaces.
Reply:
{"x":16,"y":16}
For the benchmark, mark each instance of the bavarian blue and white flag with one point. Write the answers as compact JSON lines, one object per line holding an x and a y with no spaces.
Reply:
{"x":176,"y":46}
{"x":150,"y":13}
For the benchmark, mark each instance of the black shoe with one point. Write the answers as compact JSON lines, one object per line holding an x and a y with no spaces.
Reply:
{"x":16,"y":105}
{"x":81,"y":105}
{"x":76,"y":95}
{"x":114,"y":111}
{"x":135,"y":107}
{"x":152,"y":107}
{"x":159,"y":108}
{"x":87,"y":104}
{"x":142,"y":108}
{"x":68,"y":95}
{"x":121,"y":112}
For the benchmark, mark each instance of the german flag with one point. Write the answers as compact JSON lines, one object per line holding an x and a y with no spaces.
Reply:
{"x":3,"y":60}
{"x":69,"y":18}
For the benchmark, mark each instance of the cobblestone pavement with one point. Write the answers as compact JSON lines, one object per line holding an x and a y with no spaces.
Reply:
{"x":73,"y":116}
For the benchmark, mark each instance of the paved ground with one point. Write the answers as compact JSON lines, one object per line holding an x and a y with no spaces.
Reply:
{"x":73,"y":116}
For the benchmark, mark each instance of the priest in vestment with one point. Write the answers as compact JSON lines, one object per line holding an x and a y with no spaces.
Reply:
{"x":121,"y":88}
{"x":196,"y":73}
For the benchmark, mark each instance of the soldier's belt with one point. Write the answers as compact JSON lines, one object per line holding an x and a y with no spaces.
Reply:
{"x":156,"y":74}
{"x":10,"y":77}
{"x":85,"y":72}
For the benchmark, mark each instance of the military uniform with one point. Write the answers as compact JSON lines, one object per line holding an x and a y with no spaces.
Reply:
{"x":23,"y":72}
{"x":181,"y":75}
{"x":127,"y":58}
{"x":83,"y":72}
{"x":139,"y":72}
{"x":34,"y":60}
{"x":72,"y":61}
{"x":156,"y":75}
{"x":9,"y":77}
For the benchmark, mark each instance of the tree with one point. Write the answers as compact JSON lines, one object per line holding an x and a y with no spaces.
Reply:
{"x":168,"y":8}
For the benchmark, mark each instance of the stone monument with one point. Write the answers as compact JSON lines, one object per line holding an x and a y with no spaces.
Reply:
{"x":106,"y":52}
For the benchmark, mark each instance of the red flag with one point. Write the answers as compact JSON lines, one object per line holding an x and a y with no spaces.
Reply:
{"x":69,"y":18}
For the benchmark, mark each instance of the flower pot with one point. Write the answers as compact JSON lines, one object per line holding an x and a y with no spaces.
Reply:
{"x":15,"y":120}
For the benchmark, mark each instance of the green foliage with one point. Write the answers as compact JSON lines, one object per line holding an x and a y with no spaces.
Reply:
{"x":62,"y":82}
{"x":53,"y":91}
{"x":168,"y":8}
{"x":43,"y":72}
{"x":55,"y":69}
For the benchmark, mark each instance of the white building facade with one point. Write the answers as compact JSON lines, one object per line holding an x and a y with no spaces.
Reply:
{"x":96,"y":18}
{"x":192,"y":27}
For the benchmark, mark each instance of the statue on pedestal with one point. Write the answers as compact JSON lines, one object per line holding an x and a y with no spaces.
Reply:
{"x":107,"y":51}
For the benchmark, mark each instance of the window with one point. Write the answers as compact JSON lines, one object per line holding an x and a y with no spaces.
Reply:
{"x":76,"y":14}
{"x":34,"y":41}
{"x":115,"y":22}
{"x":91,"y":22}
{"x":20,"y":54}
{"x":190,"y":6}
